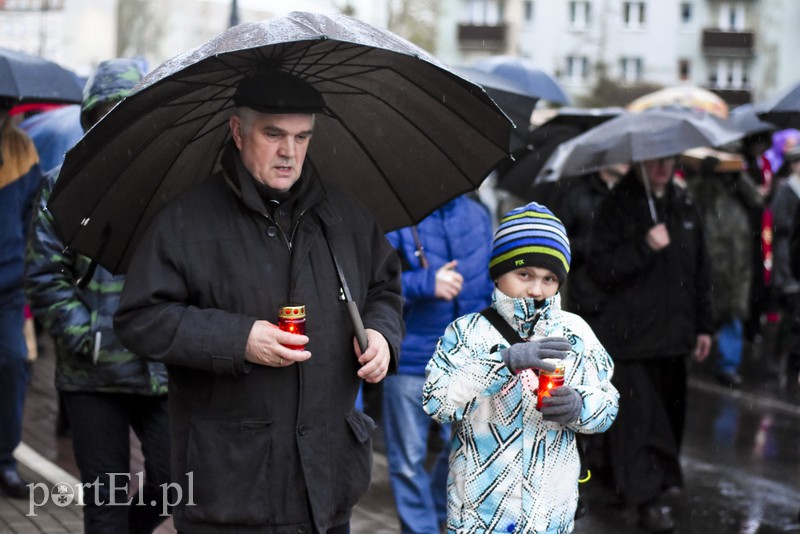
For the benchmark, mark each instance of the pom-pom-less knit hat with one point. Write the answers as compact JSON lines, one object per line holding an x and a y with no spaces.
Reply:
{"x":530,"y":236}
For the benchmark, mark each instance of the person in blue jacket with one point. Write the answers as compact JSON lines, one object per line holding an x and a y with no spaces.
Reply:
{"x":445,"y":261}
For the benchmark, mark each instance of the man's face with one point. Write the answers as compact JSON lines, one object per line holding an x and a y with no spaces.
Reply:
{"x":273,"y":147}
{"x":659,"y":172}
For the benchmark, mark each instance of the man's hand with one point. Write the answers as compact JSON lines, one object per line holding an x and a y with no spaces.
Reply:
{"x":658,"y":237}
{"x":265,"y":346}
{"x":703,"y":347}
{"x":530,"y":355}
{"x":448,"y":281}
{"x":375,"y":360}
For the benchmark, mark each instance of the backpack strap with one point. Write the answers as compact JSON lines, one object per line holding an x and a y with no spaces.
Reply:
{"x":501,"y":325}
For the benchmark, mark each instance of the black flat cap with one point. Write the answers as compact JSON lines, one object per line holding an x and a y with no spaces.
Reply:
{"x":278,"y":92}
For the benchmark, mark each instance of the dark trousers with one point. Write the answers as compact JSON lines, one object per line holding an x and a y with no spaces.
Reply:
{"x":13,"y":376}
{"x":101,"y":424}
{"x":645,"y":440}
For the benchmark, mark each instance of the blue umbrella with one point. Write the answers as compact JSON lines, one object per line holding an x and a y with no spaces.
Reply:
{"x":28,"y":78}
{"x":525,"y":74}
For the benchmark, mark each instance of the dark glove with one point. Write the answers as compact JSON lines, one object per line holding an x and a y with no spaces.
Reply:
{"x":562,"y":406}
{"x":529,"y":355}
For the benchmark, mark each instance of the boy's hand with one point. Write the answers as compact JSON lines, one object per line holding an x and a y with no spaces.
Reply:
{"x":529,"y":355}
{"x":562,"y":406}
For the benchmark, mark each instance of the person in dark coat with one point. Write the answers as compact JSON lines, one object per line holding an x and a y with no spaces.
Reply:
{"x":577,"y":205}
{"x":657,"y":278}
{"x":265,"y":438}
{"x":106,"y":390}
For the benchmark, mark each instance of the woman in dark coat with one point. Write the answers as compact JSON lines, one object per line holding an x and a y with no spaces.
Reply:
{"x":656,"y":275}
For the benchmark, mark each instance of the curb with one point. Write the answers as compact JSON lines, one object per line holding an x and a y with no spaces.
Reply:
{"x":43,"y":467}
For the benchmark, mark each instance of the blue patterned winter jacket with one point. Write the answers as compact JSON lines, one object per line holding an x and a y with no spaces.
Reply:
{"x":511,"y":471}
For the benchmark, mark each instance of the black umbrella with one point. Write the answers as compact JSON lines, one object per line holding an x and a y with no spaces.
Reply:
{"x":518,"y":177}
{"x":402,"y":132}
{"x":511,"y":98}
{"x":28,"y":78}
{"x":782,"y":110}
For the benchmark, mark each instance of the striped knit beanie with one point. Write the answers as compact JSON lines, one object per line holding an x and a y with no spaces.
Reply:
{"x":530,"y":236}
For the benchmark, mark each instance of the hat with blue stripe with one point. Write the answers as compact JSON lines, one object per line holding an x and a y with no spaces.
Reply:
{"x":530,"y":236}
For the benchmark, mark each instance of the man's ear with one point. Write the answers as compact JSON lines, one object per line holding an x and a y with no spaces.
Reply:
{"x":235,"y":124}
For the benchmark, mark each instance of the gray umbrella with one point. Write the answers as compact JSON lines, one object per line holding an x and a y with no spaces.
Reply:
{"x":401,"y":132}
{"x":633,"y":137}
{"x":783,"y":110}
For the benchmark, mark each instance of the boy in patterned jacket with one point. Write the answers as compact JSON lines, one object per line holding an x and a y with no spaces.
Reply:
{"x":514,"y":468}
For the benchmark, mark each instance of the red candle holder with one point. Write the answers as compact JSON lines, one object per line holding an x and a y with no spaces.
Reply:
{"x":292,"y":319}
{"x":549,"y":380}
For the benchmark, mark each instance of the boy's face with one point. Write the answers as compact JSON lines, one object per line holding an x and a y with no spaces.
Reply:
{"x":528,"y":282}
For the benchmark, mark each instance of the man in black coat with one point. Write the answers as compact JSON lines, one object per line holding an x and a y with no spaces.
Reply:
{"x":265,"y":438}
{"x":652,"y":264}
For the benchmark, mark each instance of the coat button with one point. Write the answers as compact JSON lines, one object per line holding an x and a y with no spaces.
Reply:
{"x":302,"y":529}
{"x":272,"y":231}
{"x":302,"y":429}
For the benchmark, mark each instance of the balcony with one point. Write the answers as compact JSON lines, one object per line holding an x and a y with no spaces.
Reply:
{"x":728,"y":43}
{"x":733,"y":97}
{"x":482,"y":37}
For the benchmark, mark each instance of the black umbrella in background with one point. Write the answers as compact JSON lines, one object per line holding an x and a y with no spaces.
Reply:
{"x":514,"y":100}
{"x":28,"y":78}
{"x":529,"y":162}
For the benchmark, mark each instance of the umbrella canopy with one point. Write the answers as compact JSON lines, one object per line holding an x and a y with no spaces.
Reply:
{"x":745,"y":119}
{"x":511,"y":98}
{"x":401,"y":132}
{"x":633,"y":137}
{"x":542,"y":141}
{"x":27,"y":78}
{"x":782,"y":110}
{"x":526,"y":75}
{"x":687,"y":96}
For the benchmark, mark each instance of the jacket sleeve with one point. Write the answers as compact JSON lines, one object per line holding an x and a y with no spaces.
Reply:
{"x":591,"y":378}
{"x":154,"y":318}
{"x":703,"y":309}
{"x":618,"y":248}
{"x":50,"y":281}
{"x":782,"y":217}
{"x":795,"y":245}
{"x":461,"y":374}
{"x":418,"y":283}
{"x":383,"y":310}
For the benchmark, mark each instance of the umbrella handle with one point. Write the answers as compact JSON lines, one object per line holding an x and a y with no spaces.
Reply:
{"x":358,"y":325}
{"x":650,"y":203}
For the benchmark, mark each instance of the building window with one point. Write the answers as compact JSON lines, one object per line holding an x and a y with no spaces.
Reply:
{"x":683,"y":69}
{"x":483,"y":12}
{"x":732,"y":16}
{"x":633,"y":15}
{"x":686,"y":13}
{"x":729,"y":74}
{"x":577,"y":68}
{"x":528,"y":11}
{"x":579,"y":15}
{"x":630,"y":69}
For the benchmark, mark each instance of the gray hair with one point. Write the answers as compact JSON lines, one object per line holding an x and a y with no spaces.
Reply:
{"x":248,"y":116}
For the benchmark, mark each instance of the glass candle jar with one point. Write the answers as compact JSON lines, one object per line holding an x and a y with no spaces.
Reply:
{"x":292,"y":319}
{"x":549,"y":380}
